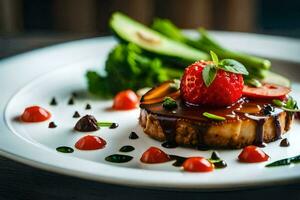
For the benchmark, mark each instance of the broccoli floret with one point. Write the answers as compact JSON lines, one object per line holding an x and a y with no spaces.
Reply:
{"x":128,"y":67}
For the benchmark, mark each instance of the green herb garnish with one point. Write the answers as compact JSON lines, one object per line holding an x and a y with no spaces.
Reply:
{"x":210,"y":71}
{"x":286,"y":161}
{"x":209,"y":74}
{"x":212,"y":116}
{"x":290,"y":105}
{"x":169,"y":103}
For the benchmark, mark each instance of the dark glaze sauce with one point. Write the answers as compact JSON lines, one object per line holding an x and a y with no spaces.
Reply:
{"x":126,"y":148}
{"x":118,"y":158}
{"x":259,"y":140}
{"x":257,"y":110}
{"x":277,"y":127}
{"x":200,"y":137}
{"x":168,"y":125}
{"x":179,"y":160}
{"x":133,"y":136}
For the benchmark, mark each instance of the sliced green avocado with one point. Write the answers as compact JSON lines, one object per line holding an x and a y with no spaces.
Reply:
{"x":132,"y":31}
{"x":272,"y":77}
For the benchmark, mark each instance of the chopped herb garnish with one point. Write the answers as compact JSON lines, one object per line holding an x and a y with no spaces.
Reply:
{"x":290,"y":105}
{"x":104,"y":124}
{"x":169,"y":103}
{"x":210,"y":71}
{"x":212,"y":116}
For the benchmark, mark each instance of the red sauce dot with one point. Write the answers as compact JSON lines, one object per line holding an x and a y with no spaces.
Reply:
{"x":197,"y":164}
{"x":253,"y":154}
{"x":90,"y":142}
{"x":35,"y":114}
{"x":154,"y":155}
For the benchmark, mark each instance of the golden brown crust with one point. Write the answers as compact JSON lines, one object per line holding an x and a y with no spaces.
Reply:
{"x":232,"y":134}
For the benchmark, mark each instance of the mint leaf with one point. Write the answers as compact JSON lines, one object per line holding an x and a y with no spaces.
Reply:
{"x":209,"y":74}
{"x":214,"y":58}
{"x":278,"y":103}
{"x":214,"y":117}
{"x":290,"y":105}
{"x":233,"y":66}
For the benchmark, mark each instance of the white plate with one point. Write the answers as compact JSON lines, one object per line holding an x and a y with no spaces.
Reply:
{"x":35,"y":77}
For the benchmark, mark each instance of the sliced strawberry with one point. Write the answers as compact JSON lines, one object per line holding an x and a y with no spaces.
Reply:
{"x":266,"y":91}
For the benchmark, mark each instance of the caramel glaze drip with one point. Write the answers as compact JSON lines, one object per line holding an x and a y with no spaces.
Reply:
{"x":241,"y":110}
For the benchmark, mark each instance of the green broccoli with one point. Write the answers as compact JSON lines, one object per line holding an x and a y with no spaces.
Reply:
{"x":128,"y":67}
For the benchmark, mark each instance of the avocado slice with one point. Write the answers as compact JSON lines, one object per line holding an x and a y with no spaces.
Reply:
{"x":153,"y":42}
{"x":278,"y":79}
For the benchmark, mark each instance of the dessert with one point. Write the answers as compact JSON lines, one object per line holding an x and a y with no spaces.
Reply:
{"x":213,"y":109}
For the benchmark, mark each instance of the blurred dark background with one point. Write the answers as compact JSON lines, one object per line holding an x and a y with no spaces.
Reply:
{"x":36,"y":23}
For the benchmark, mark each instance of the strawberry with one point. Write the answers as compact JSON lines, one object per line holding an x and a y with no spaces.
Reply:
{"x":221,"y":84}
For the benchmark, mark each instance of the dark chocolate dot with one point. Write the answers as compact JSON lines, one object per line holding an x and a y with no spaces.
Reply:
{"x":284,"y":143}
{"x":53,"y":102}
{"x":221,"y":164}
{"x":133,"y":136}
{"x":215,"y":156}
{"x":88,"y":107}
{"x":87,"y":123}
{"x":114,"y":125}
{"x":71,"y":101}
{"x":76,"y":114}
{"x":52,"y":125}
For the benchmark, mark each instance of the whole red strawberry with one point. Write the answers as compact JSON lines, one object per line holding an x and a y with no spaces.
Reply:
{"x":221,"y":84}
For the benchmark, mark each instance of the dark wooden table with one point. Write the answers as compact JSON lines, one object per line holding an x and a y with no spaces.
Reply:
{"x":18,"y":181}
